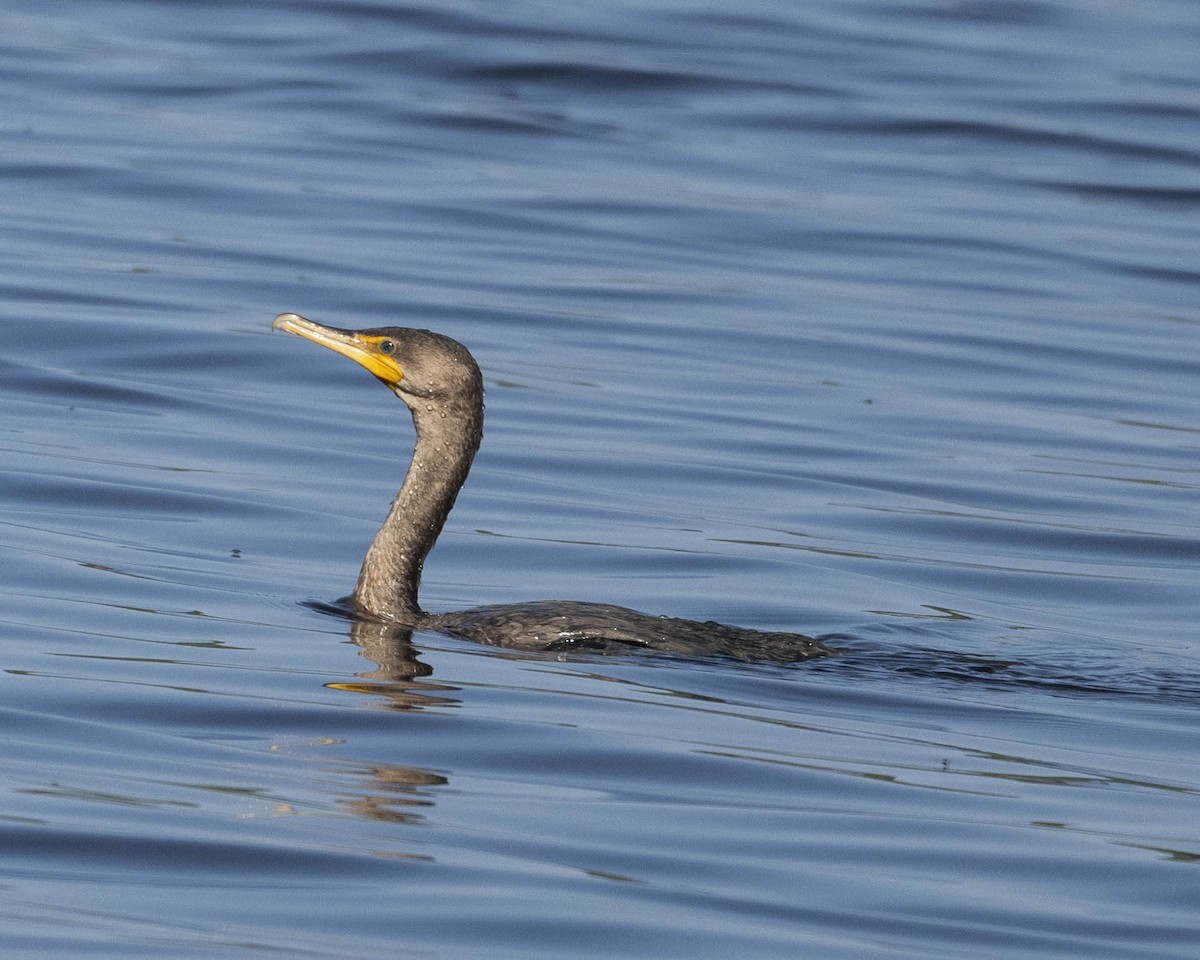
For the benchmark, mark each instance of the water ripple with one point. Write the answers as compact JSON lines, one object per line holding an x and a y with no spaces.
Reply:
{"x":867,"y":320}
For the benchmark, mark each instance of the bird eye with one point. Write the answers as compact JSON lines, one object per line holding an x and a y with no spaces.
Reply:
{"x":387,"y":346}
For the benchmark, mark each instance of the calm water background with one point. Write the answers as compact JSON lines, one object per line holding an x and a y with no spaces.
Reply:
{"x":877,"y":320}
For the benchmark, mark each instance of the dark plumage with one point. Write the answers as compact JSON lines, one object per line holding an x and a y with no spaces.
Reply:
{"x":441,"y":384}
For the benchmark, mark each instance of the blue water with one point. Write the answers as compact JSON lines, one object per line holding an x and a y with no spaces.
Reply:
{"x":876,"y":321}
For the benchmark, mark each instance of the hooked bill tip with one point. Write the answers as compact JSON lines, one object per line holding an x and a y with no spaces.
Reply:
{"x":287,"y":322}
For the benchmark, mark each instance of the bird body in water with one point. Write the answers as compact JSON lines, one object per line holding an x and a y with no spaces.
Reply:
{"x":439,"y":381}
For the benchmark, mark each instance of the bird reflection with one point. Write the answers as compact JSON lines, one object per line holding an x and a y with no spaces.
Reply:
{"x":398,"y":673}
{"x":396,"y":794}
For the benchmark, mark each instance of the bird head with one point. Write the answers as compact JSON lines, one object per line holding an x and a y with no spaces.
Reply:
{"x":411,"y":363}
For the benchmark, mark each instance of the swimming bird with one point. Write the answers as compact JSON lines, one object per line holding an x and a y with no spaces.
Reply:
{"x":440,"y":382}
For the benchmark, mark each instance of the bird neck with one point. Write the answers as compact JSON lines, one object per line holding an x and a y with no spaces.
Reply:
{"x":448,"y":435}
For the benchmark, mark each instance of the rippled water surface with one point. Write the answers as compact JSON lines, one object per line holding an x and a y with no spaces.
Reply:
{"x":878,"y":321}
